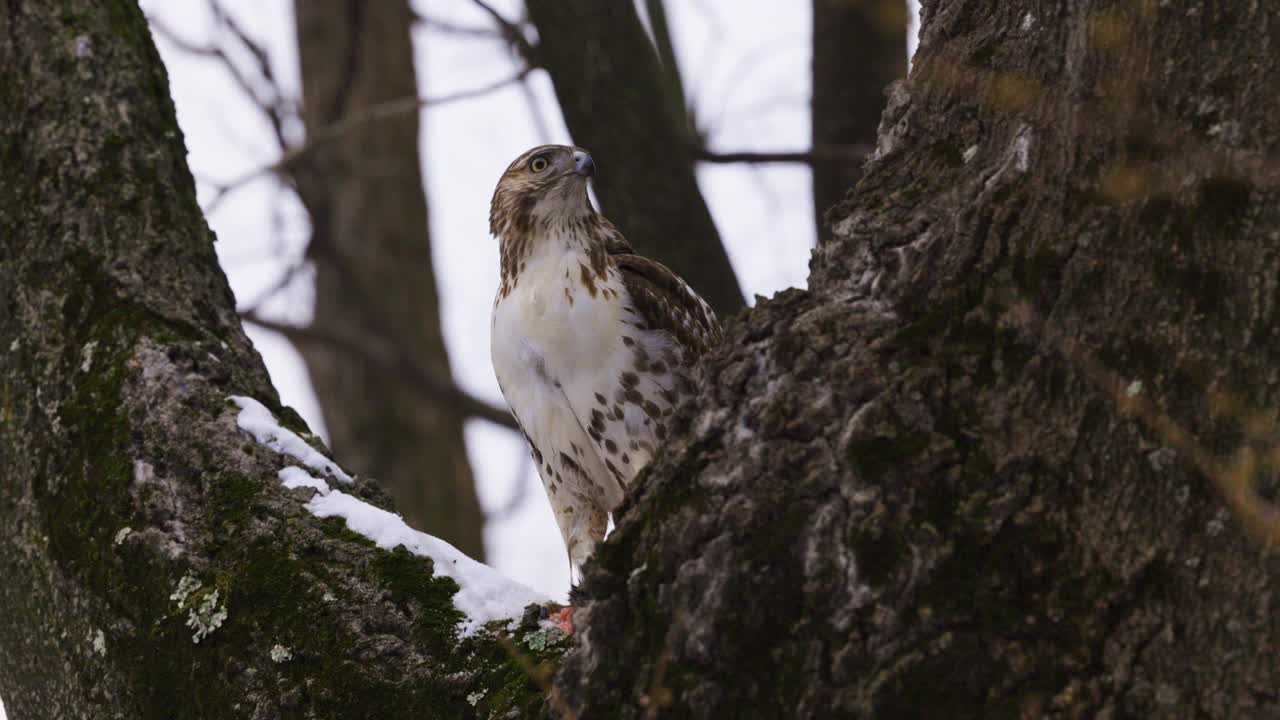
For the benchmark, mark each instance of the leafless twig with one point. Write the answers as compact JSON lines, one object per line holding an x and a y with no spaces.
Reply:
{"x":851,"y":153}
{"x":372,"y":114}
{"x":285,"y":280}
{"x":272,"y":105}
{"x":439,"y":390}
{"x":512,"y":32}
{"x":453,"y":28}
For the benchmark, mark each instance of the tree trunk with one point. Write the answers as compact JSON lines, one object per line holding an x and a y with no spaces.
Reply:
{"x":859,"y":47}
{"x":124,"y":479}
{"x":955,"y":477}
{"x":618,"y":105}
{"x":372,"y":254}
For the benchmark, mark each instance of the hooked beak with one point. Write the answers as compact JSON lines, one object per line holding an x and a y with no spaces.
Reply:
{"x":583,"y":164}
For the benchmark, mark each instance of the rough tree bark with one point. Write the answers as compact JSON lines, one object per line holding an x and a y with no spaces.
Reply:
{"x":618,"y":103}
{"x":914,"y":490}
{"x":922,"y":488}
{"x":372,"y":255}
{"x":859,"y":47}
{"x":122,"y":470}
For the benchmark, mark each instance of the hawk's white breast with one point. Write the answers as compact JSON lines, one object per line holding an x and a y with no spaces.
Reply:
{"x":589,"y":380}
{"x":554,"y":345}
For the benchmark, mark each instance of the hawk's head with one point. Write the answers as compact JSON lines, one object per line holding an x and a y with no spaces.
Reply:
{"x":546,"y":183}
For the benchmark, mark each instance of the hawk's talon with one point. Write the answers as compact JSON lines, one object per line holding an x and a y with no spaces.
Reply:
{"x":564,"y":620}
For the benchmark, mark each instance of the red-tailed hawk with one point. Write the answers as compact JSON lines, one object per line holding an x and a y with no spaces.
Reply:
{"x":592,"y":344}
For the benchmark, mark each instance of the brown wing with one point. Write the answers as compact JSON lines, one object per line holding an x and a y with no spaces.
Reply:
{"x":665,"y":302}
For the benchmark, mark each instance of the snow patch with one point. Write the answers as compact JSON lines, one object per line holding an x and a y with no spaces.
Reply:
{"x":99,"y":642}
{"x":257,"y":420}
{"x":295,"y":477}
{"x":121,"y":534}
{"x":484,"y":594}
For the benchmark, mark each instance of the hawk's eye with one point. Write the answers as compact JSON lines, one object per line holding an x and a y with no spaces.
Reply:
{"x":538,"y":164}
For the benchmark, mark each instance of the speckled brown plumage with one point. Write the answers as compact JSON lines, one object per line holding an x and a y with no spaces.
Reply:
{"x":593,"y":344}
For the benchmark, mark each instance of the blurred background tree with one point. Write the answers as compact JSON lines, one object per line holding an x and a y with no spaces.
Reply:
{"x":859,"y":47}
{"x":626,"y":105}
{"x":371,"y":250}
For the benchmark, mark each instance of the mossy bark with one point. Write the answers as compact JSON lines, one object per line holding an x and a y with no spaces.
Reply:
{"x":122,"y":471}
{"x":914,"y":490}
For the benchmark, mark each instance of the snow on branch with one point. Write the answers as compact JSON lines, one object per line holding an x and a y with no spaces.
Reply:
{"x":484,"y":594}
{"x":257,"y":420}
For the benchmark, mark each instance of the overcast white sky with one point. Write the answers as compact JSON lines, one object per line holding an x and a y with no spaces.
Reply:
{"x":746,"y":65}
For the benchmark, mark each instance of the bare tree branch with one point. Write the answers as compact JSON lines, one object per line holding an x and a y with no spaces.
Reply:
{"x":272,"y":107}
{"x":512,"y":32}
{"x":375,"y":113}
{"x":454,"y":28}
{"x":282,"y":105}
{"x":850,"y":153}
{"x":437,"y":389}
{"x":285,"y":280}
